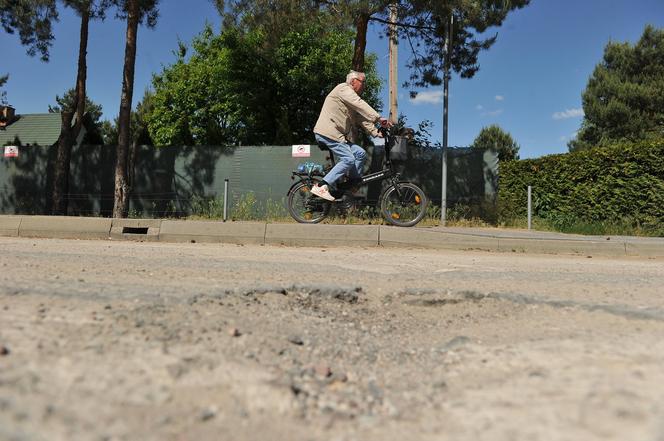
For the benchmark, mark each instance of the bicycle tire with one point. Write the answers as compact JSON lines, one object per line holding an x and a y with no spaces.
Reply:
{"x":403,"y":208}
{"x":305,"y":207}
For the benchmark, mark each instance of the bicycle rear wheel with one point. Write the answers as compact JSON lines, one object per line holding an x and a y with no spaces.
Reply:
{"x":304,"y":207}
{"x":403,"y":204}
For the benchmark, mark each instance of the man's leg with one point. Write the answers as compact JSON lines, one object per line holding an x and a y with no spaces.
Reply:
{"x":345,"y":160}
{"x":360,"y":158}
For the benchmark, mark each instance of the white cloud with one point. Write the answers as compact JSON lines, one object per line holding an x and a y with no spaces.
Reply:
{"x":479,"y":107}
{"x":568,"y":113}
{"x":494,"y":112}
{"x":428,"y":97}
{"x":500,"y":98}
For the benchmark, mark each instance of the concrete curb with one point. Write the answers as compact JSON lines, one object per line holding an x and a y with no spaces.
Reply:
{"x":644,"y":247}
{"x":290,"y":234}
{"x":322,"y":235}
{"x":213,"y":232}
{"x":435,"y":239}
{"x":9,"y":225}
{"x":561,"y":246}
{"x":65,"y":227}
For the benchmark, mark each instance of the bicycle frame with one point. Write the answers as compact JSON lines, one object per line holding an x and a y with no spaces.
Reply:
{"x":387,"y":172}
{"x":402,"y":204}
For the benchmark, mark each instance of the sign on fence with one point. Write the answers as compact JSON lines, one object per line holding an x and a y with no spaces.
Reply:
{"x":301,"y":151}
{"x":11,"y":151}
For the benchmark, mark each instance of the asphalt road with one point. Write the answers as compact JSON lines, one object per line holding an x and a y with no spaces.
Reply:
{"x":107,"y":340}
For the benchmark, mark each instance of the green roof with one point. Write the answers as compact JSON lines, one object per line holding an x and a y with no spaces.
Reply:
{"x":34,"y":129}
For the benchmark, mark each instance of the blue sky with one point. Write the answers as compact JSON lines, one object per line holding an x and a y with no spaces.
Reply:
{"x":530,"y":82}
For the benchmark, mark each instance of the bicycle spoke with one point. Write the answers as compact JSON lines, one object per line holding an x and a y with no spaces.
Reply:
{"x":405,"y":207}
{"x":305,"y":207}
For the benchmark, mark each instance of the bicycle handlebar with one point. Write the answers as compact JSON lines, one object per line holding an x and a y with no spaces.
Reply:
{"x":384,"y":131}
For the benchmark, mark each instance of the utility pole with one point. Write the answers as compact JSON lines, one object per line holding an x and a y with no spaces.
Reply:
{"x":394,"y":65}
{"x":446,"y":81}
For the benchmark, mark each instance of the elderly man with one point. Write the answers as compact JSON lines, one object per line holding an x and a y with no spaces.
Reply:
{"x":342,"y":114}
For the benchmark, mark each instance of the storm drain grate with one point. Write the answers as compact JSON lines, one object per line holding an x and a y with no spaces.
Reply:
{"x":134,"y":230}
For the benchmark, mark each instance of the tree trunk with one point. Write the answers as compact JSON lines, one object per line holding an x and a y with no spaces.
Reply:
{"x":361,"y":24}
{"x":61,"y":175}
{"x":82,"y":68}
{"x":68,"y":136}
{"x":121,"y":201}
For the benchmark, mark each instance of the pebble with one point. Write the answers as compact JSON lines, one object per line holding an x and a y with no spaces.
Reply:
{"x":322,"y":370}
{"x":454,"y":344}
{"x":209,"y":413}
{"x":296,"y":340}
{"x":4,"y":350}
{"x":234,"y":332}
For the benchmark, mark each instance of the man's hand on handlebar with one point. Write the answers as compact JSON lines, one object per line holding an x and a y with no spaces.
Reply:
{"x":384,"y":125}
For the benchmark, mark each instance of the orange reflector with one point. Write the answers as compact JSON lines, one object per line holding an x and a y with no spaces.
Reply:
{"x":417,"y":199}
{"x":395,"y":216}
{"x":307,"y":216}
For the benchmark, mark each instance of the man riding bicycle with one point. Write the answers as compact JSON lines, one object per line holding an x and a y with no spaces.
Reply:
{"x":337,"y":127}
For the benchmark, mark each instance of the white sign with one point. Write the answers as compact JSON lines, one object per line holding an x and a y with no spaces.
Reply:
{"x":11,"y":151}
{"x":301,"y":151}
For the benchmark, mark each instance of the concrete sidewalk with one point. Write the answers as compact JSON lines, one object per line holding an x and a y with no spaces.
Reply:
{"x":292,"y":234}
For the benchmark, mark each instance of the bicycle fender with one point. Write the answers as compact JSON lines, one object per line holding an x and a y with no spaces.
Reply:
{"x":308,"y":181}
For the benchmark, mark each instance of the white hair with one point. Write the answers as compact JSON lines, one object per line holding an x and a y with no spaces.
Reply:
{"x":354,"y":74}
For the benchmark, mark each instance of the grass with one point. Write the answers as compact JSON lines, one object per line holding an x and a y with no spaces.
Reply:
{"x":623,"y":227}
{"x":248,"y":208}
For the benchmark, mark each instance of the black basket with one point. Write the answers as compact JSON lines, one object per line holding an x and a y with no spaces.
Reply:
{"x":399,"y":150}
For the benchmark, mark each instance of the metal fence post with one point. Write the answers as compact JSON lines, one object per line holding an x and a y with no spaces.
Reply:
{"x":530,"y":207}
{"x":225,"y":199}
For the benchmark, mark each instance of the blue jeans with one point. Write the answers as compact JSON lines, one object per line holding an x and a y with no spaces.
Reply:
{"x":349,"y":159}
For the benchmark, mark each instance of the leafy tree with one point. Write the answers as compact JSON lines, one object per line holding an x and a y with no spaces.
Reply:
{"x":109,"y":132}
{"x":134,"y":12}
{"x":624,"y":98}
{"x":425,"y":24}
{"x":66,"y":103}
{"x":496,"y":138}
{"x":277,"y":17}
{"x":32,"y":20}
{"x":139,"y":127}
{"x":3,"y":94}
{"x":86,"y":10}
{"x":231,"y":91}
{"x":92,"y":117}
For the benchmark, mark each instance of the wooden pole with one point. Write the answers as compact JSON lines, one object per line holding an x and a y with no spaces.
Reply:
{"x":394,"y":64}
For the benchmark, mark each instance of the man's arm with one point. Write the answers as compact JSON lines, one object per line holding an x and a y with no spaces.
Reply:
{"x":370,"y":128}
{"x":348,"y":96}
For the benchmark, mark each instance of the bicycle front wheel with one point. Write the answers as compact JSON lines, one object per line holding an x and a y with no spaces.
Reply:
{"x":304,"y":206}
{"x":403,"y":204}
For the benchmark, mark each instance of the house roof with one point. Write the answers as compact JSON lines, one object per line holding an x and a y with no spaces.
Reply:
{"x":33,"y":129}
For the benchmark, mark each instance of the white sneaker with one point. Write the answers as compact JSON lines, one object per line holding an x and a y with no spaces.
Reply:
{"x":322,"y":192}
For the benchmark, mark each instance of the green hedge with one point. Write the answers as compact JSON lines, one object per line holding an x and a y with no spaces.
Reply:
{"x":618,"y":183}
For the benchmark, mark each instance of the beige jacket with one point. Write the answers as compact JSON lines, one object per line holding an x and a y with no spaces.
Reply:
{"x":343,"y":112}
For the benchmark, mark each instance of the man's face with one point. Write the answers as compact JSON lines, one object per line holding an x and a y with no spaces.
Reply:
{"x":358,"y":84}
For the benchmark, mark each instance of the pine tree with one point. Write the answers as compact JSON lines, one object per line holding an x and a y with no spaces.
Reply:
{"x":624,"y":98}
